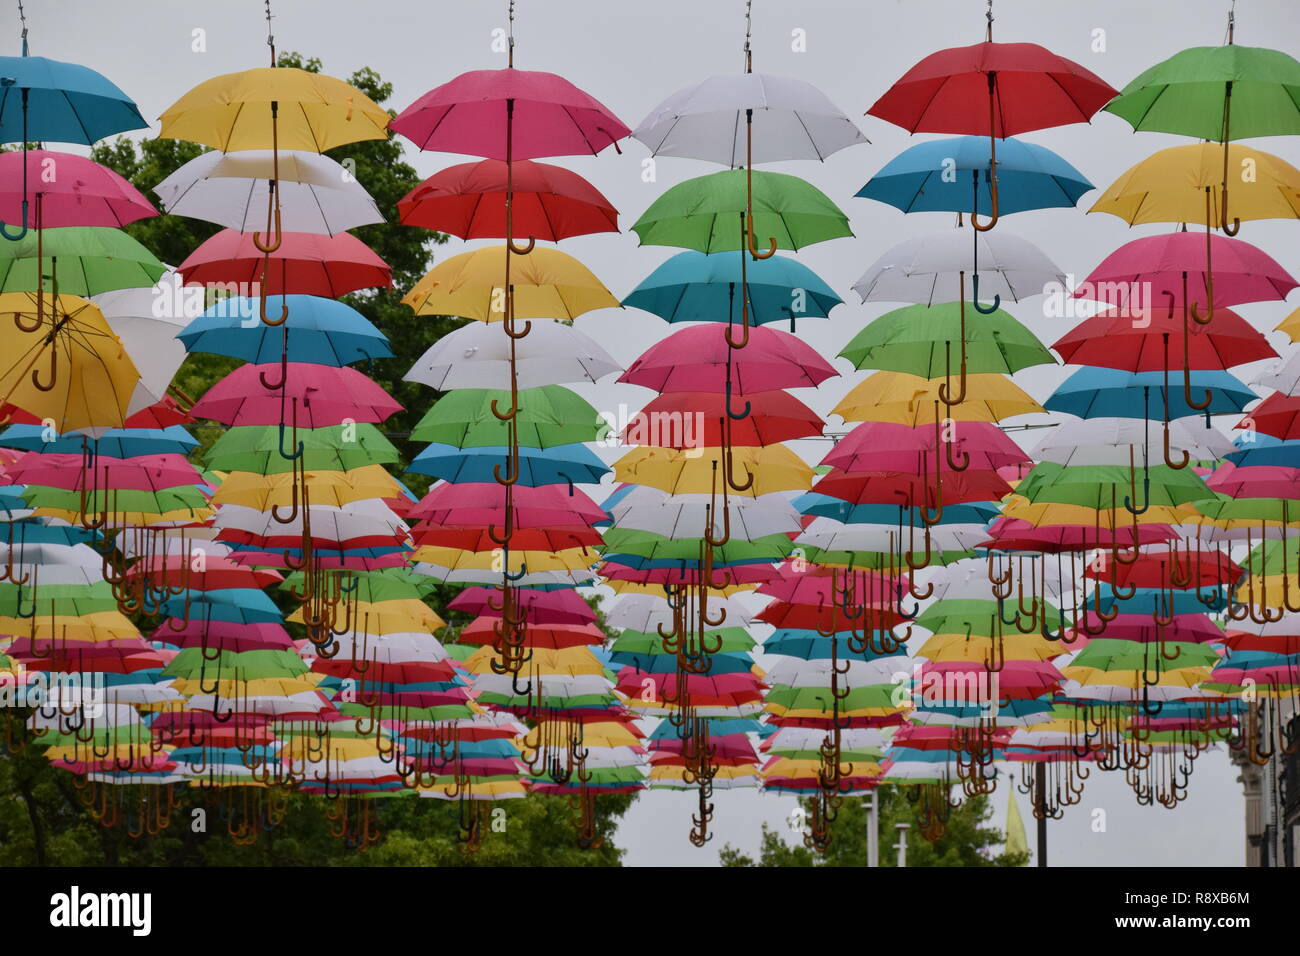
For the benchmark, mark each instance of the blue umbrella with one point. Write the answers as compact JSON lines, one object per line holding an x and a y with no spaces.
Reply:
{"x":320,"y":331}
{"x":1265,"y":450}
{"x":114,"y":443}
{"x":810,"y":645}
{"x":948,"y":175}
{"x":695,"y":287}
{"x":562,"y":464}
{"x":1111,"y":393}
{"x":824,"y":506}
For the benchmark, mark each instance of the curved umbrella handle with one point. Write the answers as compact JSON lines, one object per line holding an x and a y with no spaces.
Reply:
{"x":524,"y":249}
{"x":14,"y":237}
{"x":975,"y":297}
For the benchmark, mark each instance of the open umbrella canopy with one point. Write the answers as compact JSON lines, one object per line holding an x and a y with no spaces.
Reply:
{"x":321,"y":331}
{"x":73,"y":191}
{"x":550,"y":415}
{"x":692,"y":419}
{"x":321,"y":395}
{"x":547,"y":202}
{"x":1111,"y":393}
{"x":905,"y":399}
{"x":922,"y":340}
{"x":698,"y":359}
{"x":70,"y":368}
{"x":547,"y":283}
{"x":1139,"y":340}
{"x":549,"y":117}
{"x":704,"y":213}
{"x":1170,"y":186}
{"x":1188,"y":93}
{"x":304,"y":263}
{"x":695,"y":287}
{"x":479,"y":356}
{"x":90,"y":260}
{"x":52,"y":101}
{"x":313,"y":112}
{"x":316,"y":194}
{"x":921,"y":178}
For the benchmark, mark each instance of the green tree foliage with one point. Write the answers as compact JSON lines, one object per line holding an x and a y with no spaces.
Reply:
{"x":968,"y":840}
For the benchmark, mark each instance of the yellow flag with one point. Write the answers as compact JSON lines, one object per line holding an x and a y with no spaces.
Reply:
{"x":1017,"y":842}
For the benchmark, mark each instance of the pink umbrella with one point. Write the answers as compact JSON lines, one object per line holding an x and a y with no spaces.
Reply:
{"x":1016,"y":534}
{"x":1256,"y":481}
{"x":226,"y":635}
{"x":541,"y":607}
{"x":480,"y":504}
{"x":1190,"y":628}
{"x":69,"y":190}
{"x":1017,"y":680}
{"x":698,"y":359}
{"x":544,"y":114}
{"x":1174,"y":266}
{"x":737,"y":574}
{"x":69,"y":472}
{"x":892,"y":447}
{"x":305,"y":263}
{"x":321,"y":394}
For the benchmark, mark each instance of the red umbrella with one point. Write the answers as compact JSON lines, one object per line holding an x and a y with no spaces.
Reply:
{"x":218,"y":573}
{"x":694,"y":419}
{"x":685,"y":577}
{"x":509,"y":115}
{"x":304,"y":263}
{"x":1138,"y":341}
{"x":541,"y":607}
{"x":483,"y":630}
{"x":915,"y":490}
{"x":994,"y":90}
{"x":1276,"y":416}
{"x":468,"y":200}
{"x":321,"y":394}
{"x":69,"y":190}
{"x":479,"y":504}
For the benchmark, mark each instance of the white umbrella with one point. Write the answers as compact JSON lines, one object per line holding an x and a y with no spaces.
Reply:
{"x":531,"y":579}
{"x":368,"y":517}
{"x":928,"y":269}
{"x":317,"y":195}
{"x":1109,"y":441}
{"x":683,"y":516}
{"x":148,"y":337}
{"x":645,"y":612}
{"x":478,"y":356}
{"x":792,"y":119}
{"x":831,"y":535}
{"x":1283,"y":376}
{"x":794,"y":672}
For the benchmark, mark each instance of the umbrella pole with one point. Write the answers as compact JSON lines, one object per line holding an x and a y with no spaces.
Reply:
{"x":1040,"y":784}
{"x":1204,"y":403}
{"x":1227,"y":120}
{"x":14,"y":237}
{"x":1209,"y":274}
{"x":749,"y":155}
{"x":1164,"y":336}
{"x":993,"y":158}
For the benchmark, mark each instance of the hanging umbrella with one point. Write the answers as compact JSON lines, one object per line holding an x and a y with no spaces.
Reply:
{"x":906,"y":399}
{"x":699,"y":359}
{"x":695,"y":287}
{"x":84,"y":260}
{"x":933,"y":177}
{"x":148,"y":338}
{"x":316,"y":194}
{"x":478,"y":356}
{"x":68,"y":366}
{"x":322,"y":395}
{"x":547,"y":284}
{"x":468,"y":200}
{"x":71,"y":191}
{"x":321,"y":331}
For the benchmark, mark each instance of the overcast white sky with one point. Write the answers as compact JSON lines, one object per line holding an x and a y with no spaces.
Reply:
{"x":631,"y":54}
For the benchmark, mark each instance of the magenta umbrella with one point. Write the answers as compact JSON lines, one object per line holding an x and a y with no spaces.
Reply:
{"x":69,"y":472}
{"x":225,"y":635}
{"x":473,"y":114}
{"x":69,"y":190}
{"x":893,"y":447}
{"x":1185,"y":628}
{"x":480,"y":504}
{"x":1016,"y":534}
{"x":540,"y":607}
{"x":321,"y":395}
{"x":1256,"y":481}
{"x":699,"y":359}
{"x":1174,"y":266}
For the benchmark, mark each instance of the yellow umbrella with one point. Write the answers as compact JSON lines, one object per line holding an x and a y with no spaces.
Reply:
{"x":272,"y":107}
{"x":548,"y":661}
{"x":699,"y":471}
{"x":336,"y":488}
{"x":1096,"y":676}
{"x":637,"y":587}
{"x":1291,"y":326}
{"x":63,"y":362}
{"x":400,"y":616}
{"x":1052,"y":513}
{"x":943,"y":648}
{"x":903,"y":399}
{"x":1171,"y":185}
{"x":134,"y":519}
{"x":547,"y":283}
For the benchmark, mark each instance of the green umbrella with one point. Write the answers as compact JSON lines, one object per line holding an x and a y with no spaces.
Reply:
{"x":707,"y":213}
{"x":960,"y":615}
{"x":85,"y":260}
{"x":391,"y":584}
{"x":548,"y":416}
{"x":734,"y":640}
{"x":256,"y":449}
{"x":877,"y":560}
{"x":1094,"y":486}
{"x":180,"y":498}
{"x":1109,"y":654}
{"x":919,"y":339}
{"x":1216,"y":93}
{"x":195,"y":662}
{"x":647,"y":544}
